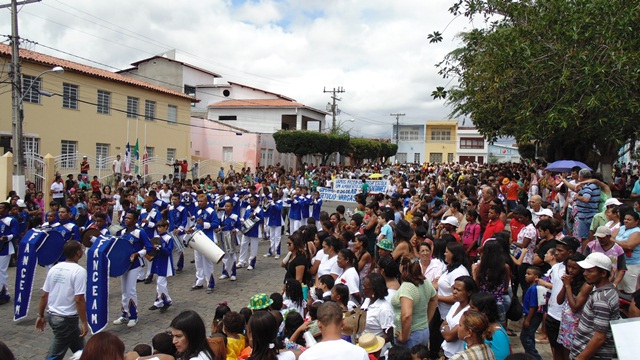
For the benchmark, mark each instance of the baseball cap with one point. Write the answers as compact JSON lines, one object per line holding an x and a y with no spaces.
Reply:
{"x":612,"y":201}
{"x":596,"y":259}
{"x":570,"y":242}
{"x":602,"y":231}
{"x":451,"y":220}
{"x":21,"y":203}
{"x":546,"y":212}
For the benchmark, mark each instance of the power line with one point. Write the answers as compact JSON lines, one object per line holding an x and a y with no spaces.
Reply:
{"x":334,"y":107}
{"x":397,"y":115}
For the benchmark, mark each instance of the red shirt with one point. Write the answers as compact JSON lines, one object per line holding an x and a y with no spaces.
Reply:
{"x":493,"y":227}
{"x":515,"y":229}
{"x":95,"y":186}
{"x":184,"y":167}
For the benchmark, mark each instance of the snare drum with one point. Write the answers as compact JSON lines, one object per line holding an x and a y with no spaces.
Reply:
{"x":228,"y":242}
{"x":114,"y":229}
{"x":178,"y":245}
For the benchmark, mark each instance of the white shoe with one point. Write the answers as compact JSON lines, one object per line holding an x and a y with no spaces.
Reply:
{"x":266,"y":255}
{"x":121,"y":320}
{"x":232,"y":278}
{"x":240,"y":265}
{"x":276,"y":257}
{"x":250,"y":267}
{"x":132,"y":323}
{"x":223,"y":276}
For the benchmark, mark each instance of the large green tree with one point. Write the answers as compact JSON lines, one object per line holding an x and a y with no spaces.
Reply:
{"x":303,"y":142}
{"x":564,"y":72}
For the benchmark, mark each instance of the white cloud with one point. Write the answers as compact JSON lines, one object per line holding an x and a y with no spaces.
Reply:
{"x":377,"y":49}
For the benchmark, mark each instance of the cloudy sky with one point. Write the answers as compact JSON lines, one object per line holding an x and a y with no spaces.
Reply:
{"x":377,"y":50}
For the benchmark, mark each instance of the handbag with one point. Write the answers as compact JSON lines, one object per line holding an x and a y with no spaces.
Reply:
{"x":354,"y":321}
{"x":514,"y":313}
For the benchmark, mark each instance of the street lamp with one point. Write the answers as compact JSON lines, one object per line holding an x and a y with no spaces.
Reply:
{"x":18,"y":118}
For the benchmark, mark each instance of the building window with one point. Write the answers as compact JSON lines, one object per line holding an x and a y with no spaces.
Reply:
{"x":102,"y":154}
{"x":70,"y":96}
{"x":227,"y":117}
{"x":409,"y":135}
{"x":172,"y":114}
{"x":401,"y":158}
{"x":68,"y":154}
{"x":450,"y":157}
{"x":191,"y":91}
{"x":416,"y":158}
{"x":171,"y":154}
{"x":435,"y":157}
{"x":471,"y":143}
{"x":104,"y":102}
{"x":227,"y":153}
{"x":149,"y":110}
{"x":132,"y":107}
{"x":440,"y":135}
{"x":151,"y":152}
{"x":33,"y":85}
{"x":31,"y":145}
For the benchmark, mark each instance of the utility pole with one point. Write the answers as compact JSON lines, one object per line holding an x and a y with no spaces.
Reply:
{"x":334,"y":107}
{"x":397,"y":115}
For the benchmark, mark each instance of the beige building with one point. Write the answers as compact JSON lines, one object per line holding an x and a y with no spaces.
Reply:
{"x":440,"y":141}
{"x":90,"y":111}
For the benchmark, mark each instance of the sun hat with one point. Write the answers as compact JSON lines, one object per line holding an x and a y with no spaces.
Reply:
{"x":612,"y":201}
{"x":260,"y":302}
{"x":385,"y":244}
{"x":596,"y":259}
{"x":371,"y":343}
{"x":505,"y":181}
{"x":451,"y":220}
{"x":602,"y":231}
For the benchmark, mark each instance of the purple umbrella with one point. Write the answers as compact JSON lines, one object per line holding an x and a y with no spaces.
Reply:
{"x":565,"y":165}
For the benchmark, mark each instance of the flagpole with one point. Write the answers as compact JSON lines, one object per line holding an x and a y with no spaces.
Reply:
{"x":145,"y":157}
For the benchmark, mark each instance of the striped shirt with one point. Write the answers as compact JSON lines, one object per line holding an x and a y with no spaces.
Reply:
{"x":477,"y":352}
{"x":602,"y":306}
{"x":588,"y":209}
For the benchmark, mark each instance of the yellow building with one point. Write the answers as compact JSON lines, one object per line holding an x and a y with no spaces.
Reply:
{"x":92,"y":112}
{"x":440,"y":141}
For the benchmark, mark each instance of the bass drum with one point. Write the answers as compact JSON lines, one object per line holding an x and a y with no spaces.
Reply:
{"x":119,"y":255}
{"x":48,"y":244}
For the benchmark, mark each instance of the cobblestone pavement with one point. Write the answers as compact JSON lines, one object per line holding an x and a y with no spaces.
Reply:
{"x":267,"y":277}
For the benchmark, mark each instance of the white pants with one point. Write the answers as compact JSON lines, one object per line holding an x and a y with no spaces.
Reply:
{"x":275,"y":234}
{"x":244,"y":250}
{"x":162,"y":293}
{"x":129,"y":292}
{"x":148,"y":272}
{"x":204,"y":269}
{"x":629,"y":281}
{"x":295,"y":225}
{"x":142,"y":274}
{"x":4,"y":278}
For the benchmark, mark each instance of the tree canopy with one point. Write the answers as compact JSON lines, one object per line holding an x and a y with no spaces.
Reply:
{"x":564,"y":72}
{"x":304,"y":142}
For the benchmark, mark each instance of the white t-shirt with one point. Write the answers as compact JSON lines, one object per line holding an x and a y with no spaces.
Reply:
{"x":64,"y":281}
{"x":335,"y":269}
{"x":287,"y":355}
{"x":57,"y":189}
{"x":291,"y":305}
{"x":451,"y":348}
{"x":435,"y":269}
{"x":379,"y":316}
{"x":556,"y":272}
{"x":117,"y":166}
{"x":165,"y":196}
{"x":326,"y":264}
{"x":318,"y":257}
{"x":444,"y":287}
{"x":351,"y":279}
{"x":334,"y":349}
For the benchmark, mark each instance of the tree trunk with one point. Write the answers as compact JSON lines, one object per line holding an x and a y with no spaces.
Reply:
{"x":608,"y":156}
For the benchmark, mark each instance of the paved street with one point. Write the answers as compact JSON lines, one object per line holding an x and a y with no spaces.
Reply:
{"x":26,"y":343}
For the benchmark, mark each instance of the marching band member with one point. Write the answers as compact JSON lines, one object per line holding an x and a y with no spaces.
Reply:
{"x":177,"y":223}
{"x":274,"y":216}
{"x":162,"y":265}
{"x":9,"y":229}
{"x":305,"y":202}
{"x":254,"y":212}
{"x":286,"y":205}
{"x":295,"y":213}
{"x":149,"y":217}
{"x":207,"y":221}
{"x":230,"y":196}
{"x":229,"y":222}
{"x":100,"y":223}
{"x":66,"y":226}
{"x":140,"y":242}
{"x":316,"y":203}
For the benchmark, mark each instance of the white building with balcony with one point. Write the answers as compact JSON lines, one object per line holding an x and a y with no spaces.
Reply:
{"x":471,"y":146}
{"x":411,"y":140}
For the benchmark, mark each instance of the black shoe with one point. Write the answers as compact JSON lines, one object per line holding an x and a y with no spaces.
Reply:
{"x":149,"y":279}
{"x":164,"y":308}
{"x":4,"y":300}
{"x":193,"y":261}
{"x":139,"y":281}
{"x":178,"y":271}
{"x":153,"y":307}
{"x":197,"y":287}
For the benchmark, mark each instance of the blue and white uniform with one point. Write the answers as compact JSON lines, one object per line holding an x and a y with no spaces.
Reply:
{"x":163,"y":267}
{"x":250,"y":238}
{"x":204,"y":266}
{"x":295,"y":213}
{"x":141,"y":244}
{"x":178,"y":217}
{"x":274,"y":216}
{"x":229,"y":223}
{"x":153,"y":216}
{"x":10,"y":228}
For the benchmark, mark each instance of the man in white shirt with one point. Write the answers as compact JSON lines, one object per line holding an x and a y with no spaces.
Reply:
{"x":63,"y":296}
{"x":117,"y":168}
{"x":332,"y":346}
{"x":57,"y":190}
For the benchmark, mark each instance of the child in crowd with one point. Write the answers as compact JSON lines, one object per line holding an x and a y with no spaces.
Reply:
{"x":545,"y":283}
{"x":325,"y":284}
{"x":419,"y":352}
{"x":293,"y":297}
{"x":233,"y":327}
{"x":277,"y":301}
{"x":533,"y":318}
{"x":221,"y":311}
{"x":573,"y":295}
{"x":143,"y":349}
